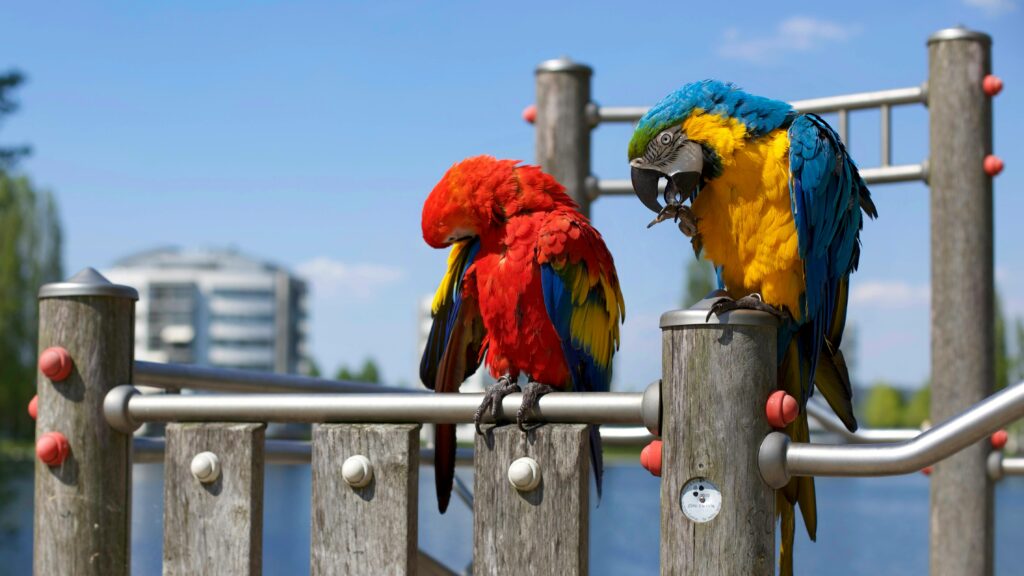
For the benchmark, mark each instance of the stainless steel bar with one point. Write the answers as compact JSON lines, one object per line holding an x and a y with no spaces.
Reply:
{"x":125,"y":409}
{"x":879,"y":175}
{"x":625,"y":436}
{"x":179,"y":376}
{"x":892,"y":174}
{"x":1013,"y":466}
{"x":824,"y":416}
{"x":779,"y":459}
{"x":844,"y":126}
{"x":894,"y":97}
{"x":886,"y":133}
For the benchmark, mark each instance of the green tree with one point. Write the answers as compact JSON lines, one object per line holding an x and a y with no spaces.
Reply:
{"x":883,"y":407}
{"x":30,"y":255}
{"x":9,"y":81}
{"x":700,"y":281}
{"x":369,"y":373}
{"x":1003,"y":361}
{"x":919,"y":408}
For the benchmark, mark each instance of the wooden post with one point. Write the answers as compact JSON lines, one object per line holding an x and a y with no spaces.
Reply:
{"x":963,"y":332}
{"x":563,"y":125}
{"x":83,"y":506}
{"x":372,"y":528}
{"x":540,"y":531}
{"x":214,"y":525}
{"x":716,"y":379}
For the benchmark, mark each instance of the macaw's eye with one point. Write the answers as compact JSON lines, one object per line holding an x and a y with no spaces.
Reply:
{"x":665,"y":138}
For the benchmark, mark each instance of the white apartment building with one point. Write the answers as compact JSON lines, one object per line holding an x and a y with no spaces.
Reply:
{"x":216,"y":308}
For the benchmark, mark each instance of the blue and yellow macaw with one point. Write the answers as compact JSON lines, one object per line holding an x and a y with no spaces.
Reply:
{"x":776,"y":207}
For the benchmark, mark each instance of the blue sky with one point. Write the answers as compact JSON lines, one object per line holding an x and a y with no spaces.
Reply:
{"x":310,"y":133}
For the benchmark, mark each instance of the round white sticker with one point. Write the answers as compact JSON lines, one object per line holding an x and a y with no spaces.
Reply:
{"x":700,"y":500}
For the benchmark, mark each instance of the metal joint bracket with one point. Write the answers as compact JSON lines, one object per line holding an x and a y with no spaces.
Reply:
{"x":115,"y":409}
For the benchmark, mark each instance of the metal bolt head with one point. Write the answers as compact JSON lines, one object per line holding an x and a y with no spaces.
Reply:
{"x":206,"y":467}
{"x":524,"y":474}
{"x":357,"y":471}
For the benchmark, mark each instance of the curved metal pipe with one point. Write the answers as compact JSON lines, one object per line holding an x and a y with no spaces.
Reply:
{"x":779,"y":459}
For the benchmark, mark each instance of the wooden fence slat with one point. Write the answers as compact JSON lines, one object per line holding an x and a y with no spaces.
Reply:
{"x":373,"y":529}
{"x":214,"y":528}
{"x":543,"y":531}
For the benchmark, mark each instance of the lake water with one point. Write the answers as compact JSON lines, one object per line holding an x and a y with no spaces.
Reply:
{"x":866,"y":526}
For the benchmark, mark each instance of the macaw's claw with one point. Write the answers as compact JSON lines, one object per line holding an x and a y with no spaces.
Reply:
{"x":492,"y":400}
{"x":748,"y":302}
{"x":680,"y":213}
{"x":531,"y":397}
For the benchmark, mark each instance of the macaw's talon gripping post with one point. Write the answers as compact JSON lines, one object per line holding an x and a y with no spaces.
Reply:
{"x":531,"y":397}
{"x":748,"y":302}
{"x":492,"y":400}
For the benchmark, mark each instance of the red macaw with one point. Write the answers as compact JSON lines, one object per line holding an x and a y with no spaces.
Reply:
{"x":530,"y":284}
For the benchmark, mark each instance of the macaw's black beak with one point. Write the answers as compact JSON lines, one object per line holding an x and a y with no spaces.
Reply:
{"x":645,"y":186}
{"x":679,"y":188}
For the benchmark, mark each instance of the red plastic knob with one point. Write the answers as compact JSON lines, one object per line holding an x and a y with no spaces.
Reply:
{"x":992,"y":85}
{"x":33,"y":407}
{"x":927,"y":470}
{"x":993,"y":165}
{"x":55,"y":363}
{"x":530,"y":113}
{"x":650,"y":457}
{"x":999,"y":439}
{"x":52,"y":448}
{"x":781,"y":409}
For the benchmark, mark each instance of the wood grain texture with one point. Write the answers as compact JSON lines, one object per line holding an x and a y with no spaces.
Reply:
{"x":544,"y":531}
{"x":962,"y":362}
{"x":214,"y":528}
{"x":716,"y":380}
{"x":370,"y":530}
{"x":83,"y":507}
{"x":562,"y":131}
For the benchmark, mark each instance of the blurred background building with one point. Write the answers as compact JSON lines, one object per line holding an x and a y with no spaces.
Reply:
{"x":216,"y":307}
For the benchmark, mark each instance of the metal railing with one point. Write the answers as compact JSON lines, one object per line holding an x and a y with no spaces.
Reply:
{"x":780,"y":459}
{"x":126,"y":409}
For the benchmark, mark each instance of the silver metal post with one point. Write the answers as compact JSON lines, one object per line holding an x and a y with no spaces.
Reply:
{"x":779,"y":460}
{"x":960,"y":135}
{"x":563,"y":125}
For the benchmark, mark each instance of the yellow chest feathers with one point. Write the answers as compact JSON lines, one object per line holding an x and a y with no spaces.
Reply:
{"x":744,"y":215}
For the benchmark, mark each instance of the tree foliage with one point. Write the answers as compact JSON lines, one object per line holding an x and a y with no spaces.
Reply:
{"x":9,"y":81}
{"x":30,"y":255}
{"x":700,"y":281}
{"x":883,"y":407}
{"x":369,"y":372}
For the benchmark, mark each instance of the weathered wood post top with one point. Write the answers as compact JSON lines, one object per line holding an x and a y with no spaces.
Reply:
{"x":83,"y":494}
{"x":717,"y":515}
